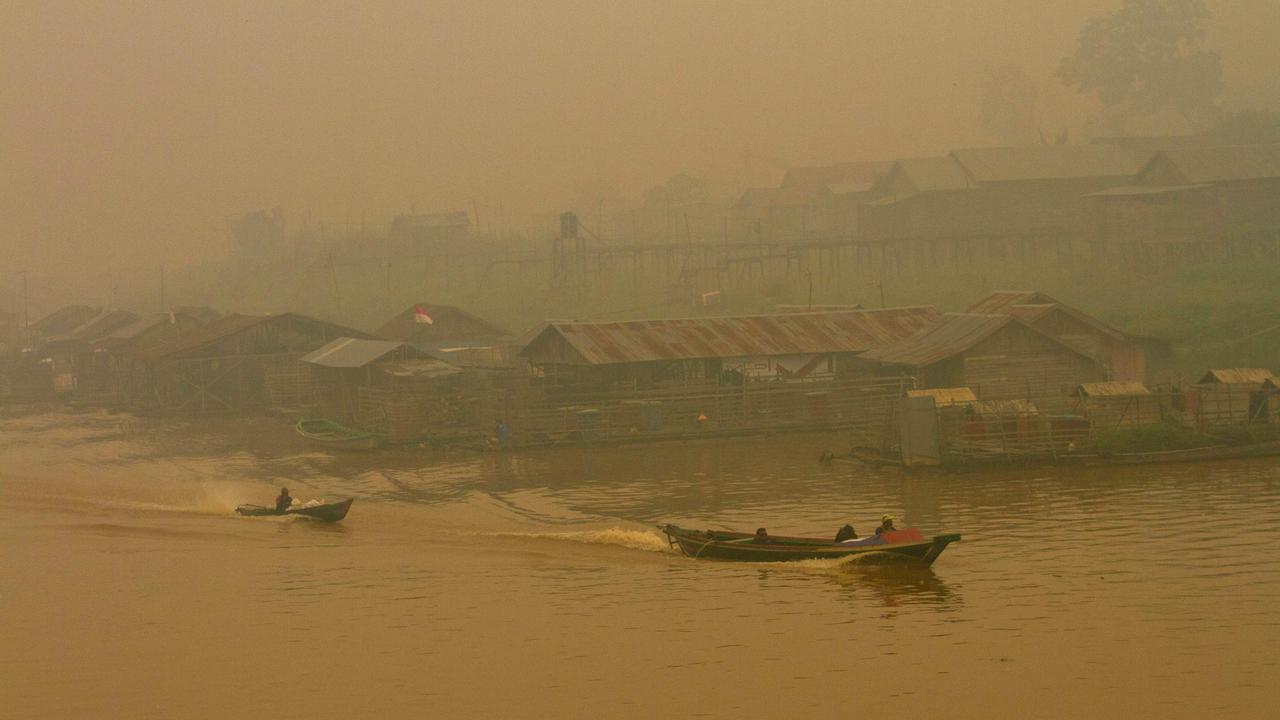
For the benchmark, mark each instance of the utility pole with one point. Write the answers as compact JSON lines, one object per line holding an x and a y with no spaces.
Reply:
{"x":26,"y":307}
{"x":162,"y":304}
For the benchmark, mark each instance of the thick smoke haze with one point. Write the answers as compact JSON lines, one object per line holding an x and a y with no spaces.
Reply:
{"x":130,"y":132}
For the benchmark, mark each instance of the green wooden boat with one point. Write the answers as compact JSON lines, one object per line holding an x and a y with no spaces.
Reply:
{"x":329,"y":512}
{"x":907,"y":545}
{"x":336,"y":437}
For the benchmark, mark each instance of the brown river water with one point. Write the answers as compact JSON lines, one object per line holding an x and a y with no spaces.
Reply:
{"x":533,"y":584}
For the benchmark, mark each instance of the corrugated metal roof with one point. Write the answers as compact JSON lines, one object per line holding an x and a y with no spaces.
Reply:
{"x":1047,"y":162}
{"x":62,"y":320}
{"x":97,"y":326}
{"x":850,"y":176}
{"x":1237,"y":376}
{"x":139,"y":326}
{"x":1111,"y":389}
{"x":606,"y":343}
{"x":1031,"y":305}
{"x":451,"y":323}
{"x":946,"y":397}
{"x":225,"y":327}
{"x":952,"y":334}
{"x":1221,"y":164}
{"x":926,"y":174}
{"x":348,"y":352}
{"x":1142,"y":190}
{"x":194,"y":338}
{"x":1000,"y":300}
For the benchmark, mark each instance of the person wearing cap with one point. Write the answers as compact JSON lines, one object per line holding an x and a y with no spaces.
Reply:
{"x":886,"y":524}
{"x":283,"y":501}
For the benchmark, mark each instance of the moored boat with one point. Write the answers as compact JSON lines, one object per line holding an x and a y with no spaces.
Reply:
{"x":907,"y":545}
{"x":337,"y":437}
{"x":327,"y":512}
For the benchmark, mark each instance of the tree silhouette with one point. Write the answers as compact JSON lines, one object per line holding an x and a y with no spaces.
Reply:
{"x":1146,"y":57}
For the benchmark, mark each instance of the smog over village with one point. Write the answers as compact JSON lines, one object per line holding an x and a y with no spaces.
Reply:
{"x":616,"y":360}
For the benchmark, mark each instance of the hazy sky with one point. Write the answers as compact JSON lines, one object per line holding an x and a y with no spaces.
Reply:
{"x":130,"y":131}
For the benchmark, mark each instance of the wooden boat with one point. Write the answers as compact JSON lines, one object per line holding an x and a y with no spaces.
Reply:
{"x":336,"y":437}
{"x":907,"y":545}
{"x":329,"y":512}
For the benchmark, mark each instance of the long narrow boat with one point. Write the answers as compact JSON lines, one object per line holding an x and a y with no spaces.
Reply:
{"x":329,"y":512}
{"x":337,"y":437}
{"x":907,"y":545}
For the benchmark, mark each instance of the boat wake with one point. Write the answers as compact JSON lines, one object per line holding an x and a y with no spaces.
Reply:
{"x":841,"y":564}
{"x":620,"y":537}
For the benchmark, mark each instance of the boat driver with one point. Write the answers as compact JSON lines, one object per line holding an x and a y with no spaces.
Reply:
{"x":762,"y":536}
{"x":283,"y":501}
{"x":886,"y":524}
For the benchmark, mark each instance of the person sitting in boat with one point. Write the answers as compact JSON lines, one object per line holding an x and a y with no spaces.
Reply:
{"x":846,"y":533}
{"x":762,"y":536}
{"x":283,"y":501}
{"x":886,"y":524}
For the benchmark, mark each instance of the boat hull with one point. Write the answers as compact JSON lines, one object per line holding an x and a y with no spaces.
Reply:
{"x":329,"y":512}
{"x":741,"y":547}
{"x":337,"y":437}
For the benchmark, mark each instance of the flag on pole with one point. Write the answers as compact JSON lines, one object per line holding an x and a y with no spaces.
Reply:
{"x":421,"y":317}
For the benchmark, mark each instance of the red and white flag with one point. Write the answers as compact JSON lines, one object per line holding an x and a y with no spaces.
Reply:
{"x":421,"y":317}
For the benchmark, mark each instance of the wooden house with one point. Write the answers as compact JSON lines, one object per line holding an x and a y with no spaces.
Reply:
{"x":1234,"y":396}
{"x":343,"y":367}
{"x":1111,"y":405}
{"x":1192,"y":203}
{"x":236,"y":363}
{"x":999,"y":357}
{"x":689,"y":351}
{"x":60,"y":321}
{"x":75,"y":365}
{"x":110,"y":364}
{"x":449,"y":331}
{"x":783,"y":214}
{"x":1127,"y":358}
{"x":989,"y":200}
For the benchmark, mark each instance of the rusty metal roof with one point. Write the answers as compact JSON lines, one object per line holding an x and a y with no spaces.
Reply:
{"x":926,"y":174}
{"x":450,"y":323}
{"x":953,"y":334}
{"x":1237,"y":376}
{"x":63,"y":320}
{"x":1048,"y":162}
{"x":946,"y":397}
{"x":96,"y":327}
{"x":603,"y":343}
{"x":1111,"y":389}
{"x":196,"y":337}
{"x":998,"y":301}
{"x":1197,"y":165}
{"x":227,"y":326}
{"x":1031,"y":305}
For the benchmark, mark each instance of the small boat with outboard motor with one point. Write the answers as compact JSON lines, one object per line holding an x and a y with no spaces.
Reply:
{"x":907,"y":545}
{"x":325,"y":512}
